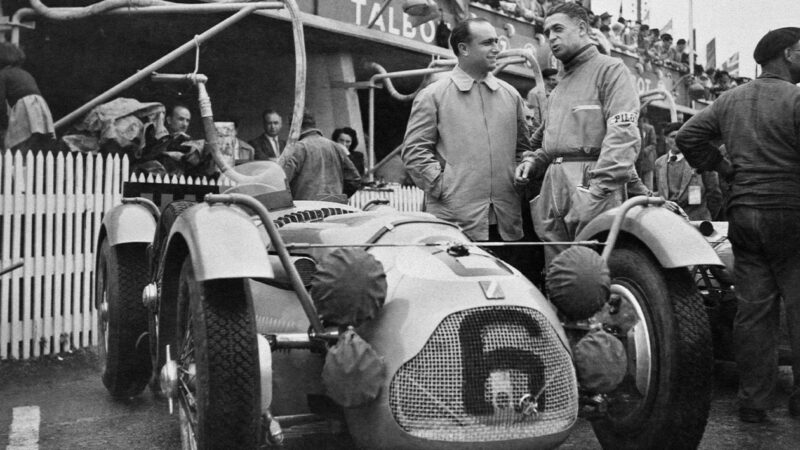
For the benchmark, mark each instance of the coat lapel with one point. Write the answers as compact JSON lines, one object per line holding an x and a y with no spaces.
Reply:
{"x":688,"y":172}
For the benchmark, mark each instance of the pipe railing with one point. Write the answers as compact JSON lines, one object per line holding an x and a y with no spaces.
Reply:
{"x":662,"y":94}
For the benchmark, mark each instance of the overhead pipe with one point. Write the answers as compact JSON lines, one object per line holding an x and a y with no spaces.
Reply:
{"x":166,"y":59}
{"x":91,"y":10}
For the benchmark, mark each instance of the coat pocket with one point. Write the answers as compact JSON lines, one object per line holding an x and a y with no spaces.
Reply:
{"x":587,"y":127}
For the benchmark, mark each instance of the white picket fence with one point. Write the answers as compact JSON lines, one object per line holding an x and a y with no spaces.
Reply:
{"x":52,"y":208}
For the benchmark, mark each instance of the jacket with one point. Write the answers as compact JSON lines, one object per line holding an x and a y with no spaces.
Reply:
{"x":264,"y":150}
{"x":462,"y":144}
{"x":707,"y":183}
{"x":759,"y":123}
{"x":318,"y":169}
{"x":593,"y":111}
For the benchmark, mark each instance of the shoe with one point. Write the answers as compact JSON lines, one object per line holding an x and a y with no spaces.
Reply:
{"x":794,"y":404}
{"x":752,"y":415}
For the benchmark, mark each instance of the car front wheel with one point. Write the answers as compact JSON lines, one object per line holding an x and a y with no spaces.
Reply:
{"x":664,"y":400}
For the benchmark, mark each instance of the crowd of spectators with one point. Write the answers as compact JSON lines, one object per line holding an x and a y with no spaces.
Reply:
{"x":652,"y":47}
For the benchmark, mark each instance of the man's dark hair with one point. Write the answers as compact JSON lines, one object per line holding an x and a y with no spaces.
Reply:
{"x":308,"y":121}
{"x":461,"y":32}
{"x":267,"y":112}
{"x":171,"y":109}
{"x":573,"y":10}
{"x":11,"y":55}
{"x":681,"y":41}
{"x":622,"y":20}
{"x":604,"y":28}
{"x":644,"y":28}
{"x":721,"y":73}
{"x":666,"y":37}
{"x":348,"y":131}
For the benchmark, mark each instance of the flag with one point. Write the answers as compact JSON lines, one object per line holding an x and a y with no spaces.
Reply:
{"x":421,"y":11}
{"x":460,"y":9}
{"x":711,"y":54}
{"x":667,"y":28}
{"x":731,"y":65}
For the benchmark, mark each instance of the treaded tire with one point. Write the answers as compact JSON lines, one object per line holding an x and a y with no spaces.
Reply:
{"x":121,"y":275}
{"x":217,"y":332}
{"x":165,"y":221}
{"x":674,"y":412}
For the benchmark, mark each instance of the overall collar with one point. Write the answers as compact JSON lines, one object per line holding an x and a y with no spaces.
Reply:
{"x":464,"y":82}
{"x":308,"y":132}
{"x":773,"y":75}
{"x":586,"y":53}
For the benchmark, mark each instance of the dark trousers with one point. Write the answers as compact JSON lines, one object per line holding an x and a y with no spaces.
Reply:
{"x":766,"y":249}
{"x":526,"y":259}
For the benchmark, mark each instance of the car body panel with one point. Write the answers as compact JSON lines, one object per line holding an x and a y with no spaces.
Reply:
{"x":129,"y":223}
{"x":223,"y":242}
{"x":672,"y":240}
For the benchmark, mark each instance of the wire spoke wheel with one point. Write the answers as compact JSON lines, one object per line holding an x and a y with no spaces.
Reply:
{"x":218,"y":368}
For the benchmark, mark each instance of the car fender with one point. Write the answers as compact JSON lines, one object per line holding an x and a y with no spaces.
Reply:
{"x":129,"y":223}
{"x":223,"y":241}
{"x":672,"y":240}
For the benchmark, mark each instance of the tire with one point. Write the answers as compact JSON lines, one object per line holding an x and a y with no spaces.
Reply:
{"x":168,"y":217}
{"x":122,"y":273}
{"x":217,"y":341}
{"x":165,"y":221}
{"x":673,"y":410}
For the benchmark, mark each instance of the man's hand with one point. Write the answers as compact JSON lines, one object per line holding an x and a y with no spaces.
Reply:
{"x":674,"y":208}
{"x":725,"y":170}
{"x":523,"y":173}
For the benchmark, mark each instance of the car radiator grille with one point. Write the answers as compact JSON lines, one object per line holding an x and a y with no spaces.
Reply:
{"x":467,"y":382}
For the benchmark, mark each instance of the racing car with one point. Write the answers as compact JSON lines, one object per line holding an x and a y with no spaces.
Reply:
{"x":252,"y":312}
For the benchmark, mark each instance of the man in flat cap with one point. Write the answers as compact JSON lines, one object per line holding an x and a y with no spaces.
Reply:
{"x":759,"y":123}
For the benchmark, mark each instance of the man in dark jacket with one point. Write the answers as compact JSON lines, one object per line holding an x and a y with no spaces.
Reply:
{"x":318,"y":168}
{"x":759,"y":123}
{"x":268,"y":145}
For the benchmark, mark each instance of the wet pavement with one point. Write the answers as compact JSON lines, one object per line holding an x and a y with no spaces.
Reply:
{"x":77,"y":413}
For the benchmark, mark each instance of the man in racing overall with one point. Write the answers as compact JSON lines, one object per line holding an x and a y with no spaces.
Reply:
{"x":590,"y":138}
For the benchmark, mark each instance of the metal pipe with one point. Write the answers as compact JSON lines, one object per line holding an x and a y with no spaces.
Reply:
{"x":371,"y":150}
{"x":613,"y":234}
{"x":161,"y":62}
{"x":91,"y":10}
{"x":300,"y":71}
{"x":673,"y":110}
{"x":280,"y":248}
{"x":132,"y":9}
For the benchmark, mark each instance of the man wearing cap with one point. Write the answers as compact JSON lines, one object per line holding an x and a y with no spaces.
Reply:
{"x":590,"y":138}
{"x":759,"y":123}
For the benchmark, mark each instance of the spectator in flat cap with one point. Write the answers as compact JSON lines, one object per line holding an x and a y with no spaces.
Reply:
{"x":758,"y":124}
{"x":774,"y":43}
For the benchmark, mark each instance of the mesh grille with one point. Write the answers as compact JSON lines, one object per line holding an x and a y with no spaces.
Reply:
{"x":466,"y":383}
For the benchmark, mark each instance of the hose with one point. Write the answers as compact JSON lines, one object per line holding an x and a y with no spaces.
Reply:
{"x":91,"y":10}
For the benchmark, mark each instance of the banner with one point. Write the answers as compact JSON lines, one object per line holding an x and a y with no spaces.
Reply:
{"x":667,"y":28}
{"x":711,"y":54}
{"x":731,"y":65}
